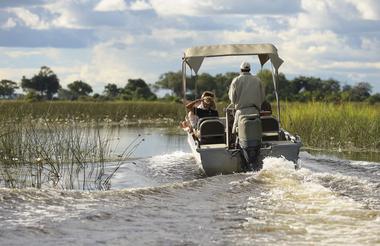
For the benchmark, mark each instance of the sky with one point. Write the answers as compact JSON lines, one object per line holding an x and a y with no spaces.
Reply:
{"x":111,"y":41}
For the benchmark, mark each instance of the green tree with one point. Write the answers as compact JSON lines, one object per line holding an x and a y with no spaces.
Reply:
{"x":346,"y":88}
{"x":304,"y":88}
{"x":33,"y":96}
{"x":205,"y":82}
{"x":45,"y":82}
{"x":64,"y":94}
{"x":111,"y":90}
{"x":173,"y":82}
{"x":265,"y":76}
{"x":361,"y":91}
{"x":223,"y":82}
{"x":330,"y":86}
{"x":80,"y":88}
{"x":7,"y":88}
{"x":375,"y":98}
{"x":284,"y":89}
{"x":138,"y":89}
{"x":330,"y":91}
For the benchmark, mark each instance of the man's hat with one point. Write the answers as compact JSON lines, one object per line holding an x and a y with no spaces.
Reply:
{"x":245,"y":65}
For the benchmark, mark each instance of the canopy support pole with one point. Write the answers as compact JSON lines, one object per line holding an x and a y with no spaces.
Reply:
{"x":275,"y":78}
{"x":184,"y":80}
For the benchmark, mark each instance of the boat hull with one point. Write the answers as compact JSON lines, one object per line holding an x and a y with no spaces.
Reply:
{"x":217,"y":159}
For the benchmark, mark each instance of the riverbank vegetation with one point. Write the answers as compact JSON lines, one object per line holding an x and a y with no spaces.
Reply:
{"x":321,"y":125}
{"x":119,"y":112}
{"x":348,"y":126}
{"x":45,"y":85}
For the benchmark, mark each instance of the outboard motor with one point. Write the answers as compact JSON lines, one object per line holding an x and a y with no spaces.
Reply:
{"x":250,"y":134}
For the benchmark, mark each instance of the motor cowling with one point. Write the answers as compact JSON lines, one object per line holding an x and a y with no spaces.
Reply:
{"x":249,"y":130}
{"x":250,"y":135}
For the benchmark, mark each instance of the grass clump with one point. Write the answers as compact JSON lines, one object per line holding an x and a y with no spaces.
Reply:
{"x":64,"y":156}
{"x":339,"y":126}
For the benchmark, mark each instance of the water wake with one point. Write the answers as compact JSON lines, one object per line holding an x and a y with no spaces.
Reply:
{"x":298,"y":205}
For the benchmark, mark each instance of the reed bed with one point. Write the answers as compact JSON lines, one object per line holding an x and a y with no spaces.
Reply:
{"x":72,"y":155}
{"x":119,"y":112}
{"x":349,"y":126}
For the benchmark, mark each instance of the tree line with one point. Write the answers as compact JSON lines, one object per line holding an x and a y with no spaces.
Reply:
{"x":301,"y":88}
{"x":45,"y":85}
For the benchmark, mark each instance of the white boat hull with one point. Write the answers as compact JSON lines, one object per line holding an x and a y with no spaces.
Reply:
{"x":216,"y":159}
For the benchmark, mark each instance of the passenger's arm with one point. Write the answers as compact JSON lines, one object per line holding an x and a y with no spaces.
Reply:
{"x":191,"y":104}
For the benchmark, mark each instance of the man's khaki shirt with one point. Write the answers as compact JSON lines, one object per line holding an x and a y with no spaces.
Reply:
{"x":246,"y":90}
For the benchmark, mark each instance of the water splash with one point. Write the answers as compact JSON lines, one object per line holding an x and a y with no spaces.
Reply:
{"x":298,"y":206}
{"x":174,"y":166}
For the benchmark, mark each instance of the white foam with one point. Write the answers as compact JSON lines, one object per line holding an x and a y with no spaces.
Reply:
{"x":34,"y":206}
{"x":363,"y":163}
{"x":169,"y":158}
{"x":296,"y":203}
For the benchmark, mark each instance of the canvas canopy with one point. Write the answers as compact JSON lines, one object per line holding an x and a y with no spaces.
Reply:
{"x":194,"y":56}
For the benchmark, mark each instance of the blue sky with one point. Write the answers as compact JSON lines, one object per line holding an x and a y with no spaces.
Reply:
{"x":110,"y":41}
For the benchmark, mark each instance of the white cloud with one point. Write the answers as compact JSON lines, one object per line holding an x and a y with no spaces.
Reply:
{"x":213,"y":7}
{"x":30,"y":19}
{"x":352,"y":65}
{"x":112,"y":65}
{"x":319,"y":37}
{"x":46,"y":52}
{"x":111,"y":5}
{"x":140,"y":5}
{"x":15,"y":74}
{"x":171,"y":35}
{"x":9,"y":24}
{"x":179,"y":7}
{"x":369,"y":9}
{"x":68,"y":14}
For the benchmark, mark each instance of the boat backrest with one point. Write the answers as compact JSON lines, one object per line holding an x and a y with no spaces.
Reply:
{"x":270,"y":128}
{"x":211,"y":131}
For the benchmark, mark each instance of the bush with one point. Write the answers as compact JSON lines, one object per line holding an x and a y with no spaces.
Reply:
{"x":32,"y":96}
{"x":374,"y":99}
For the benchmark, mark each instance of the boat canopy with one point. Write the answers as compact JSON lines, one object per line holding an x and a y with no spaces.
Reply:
{"x":194,"y":56}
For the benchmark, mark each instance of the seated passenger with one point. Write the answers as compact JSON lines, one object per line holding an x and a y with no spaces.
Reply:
{"x":200,"y":108}
{"x":266,"y":109}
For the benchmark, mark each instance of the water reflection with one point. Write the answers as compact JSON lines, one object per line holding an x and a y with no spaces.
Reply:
{"x":157,"y":140}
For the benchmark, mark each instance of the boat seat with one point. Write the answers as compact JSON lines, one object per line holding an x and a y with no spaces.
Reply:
{"x":211,"y":131}
{"x":270,"y":128}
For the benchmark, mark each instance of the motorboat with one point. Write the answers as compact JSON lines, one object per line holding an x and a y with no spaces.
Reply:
{"x":215,"y":147}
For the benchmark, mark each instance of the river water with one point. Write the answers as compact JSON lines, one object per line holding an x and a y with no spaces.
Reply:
{"x":160,"y":197}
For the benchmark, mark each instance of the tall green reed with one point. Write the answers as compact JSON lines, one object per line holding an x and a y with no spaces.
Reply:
{"x":347,"y":126}
{"x":70,"y":155}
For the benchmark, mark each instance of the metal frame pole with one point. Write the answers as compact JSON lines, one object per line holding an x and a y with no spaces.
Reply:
{"x":275,"y":80}
{"x":184,"y":80}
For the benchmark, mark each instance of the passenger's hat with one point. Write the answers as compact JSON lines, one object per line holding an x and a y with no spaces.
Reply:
{"x":245,"y":65}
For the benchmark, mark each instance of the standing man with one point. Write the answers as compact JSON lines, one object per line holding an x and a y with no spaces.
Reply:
{"x":246,"y":93}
